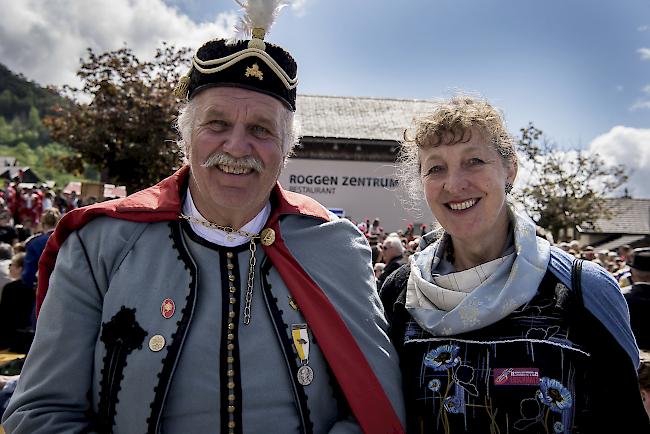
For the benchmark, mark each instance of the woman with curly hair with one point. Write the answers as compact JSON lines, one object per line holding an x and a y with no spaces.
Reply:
{"x":498,"y":331}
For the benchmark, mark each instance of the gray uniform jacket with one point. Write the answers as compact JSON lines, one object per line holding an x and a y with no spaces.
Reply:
{"x":109,"y":357}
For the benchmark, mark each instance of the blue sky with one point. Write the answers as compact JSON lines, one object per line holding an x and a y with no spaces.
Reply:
{"x":578,"y":69}
{"x":573,"y":67}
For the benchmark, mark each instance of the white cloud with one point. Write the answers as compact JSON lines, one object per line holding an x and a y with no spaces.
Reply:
{"x":625,"y":146}
{"x":298,"y":7}
{"x":44,"y":39}
{"x":643,"y":28}
{"x":644,"y":53}
{"x":631,"y":148}
{"x":642,"y":103}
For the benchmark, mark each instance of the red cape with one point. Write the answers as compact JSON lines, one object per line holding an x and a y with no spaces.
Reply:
{"x":162,"y":202}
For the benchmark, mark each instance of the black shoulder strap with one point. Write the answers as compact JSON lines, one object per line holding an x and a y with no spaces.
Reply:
{"x":576,"y":284}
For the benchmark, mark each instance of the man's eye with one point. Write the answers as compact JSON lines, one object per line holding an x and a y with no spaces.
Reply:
{"x":259,"y":130}
{"x":475,"y":161}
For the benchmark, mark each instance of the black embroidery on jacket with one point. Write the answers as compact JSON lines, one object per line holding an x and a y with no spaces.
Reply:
{"x":177,"y":338}
{"x":121,"y":335}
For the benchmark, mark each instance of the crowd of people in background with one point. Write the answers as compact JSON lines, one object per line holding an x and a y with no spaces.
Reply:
{"x":28,"y":215}
{"x":392,"y":248}
{"x":24,"y":204}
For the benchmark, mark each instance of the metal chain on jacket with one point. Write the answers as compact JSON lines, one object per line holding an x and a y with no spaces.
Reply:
{"x":251,"y":261}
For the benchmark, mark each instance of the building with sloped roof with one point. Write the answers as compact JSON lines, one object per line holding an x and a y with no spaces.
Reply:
{"x":357,"y":128}
{"x":628,"y":222}
{"x":346,"y":157}
{"x":10,"y":169}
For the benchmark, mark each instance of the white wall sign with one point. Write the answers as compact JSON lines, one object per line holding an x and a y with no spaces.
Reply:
{"x":360,"y":189}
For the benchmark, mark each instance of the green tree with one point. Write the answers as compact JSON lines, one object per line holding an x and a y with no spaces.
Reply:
{"x":126,"y":128}
{"x":564,"y":189}
{"x":7,"y":134}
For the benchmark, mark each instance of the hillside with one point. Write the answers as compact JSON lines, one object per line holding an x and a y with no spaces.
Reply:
{"x":18,"y":96}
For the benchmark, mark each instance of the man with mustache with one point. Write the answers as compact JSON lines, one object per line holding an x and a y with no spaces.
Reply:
{"x":214,"y":301}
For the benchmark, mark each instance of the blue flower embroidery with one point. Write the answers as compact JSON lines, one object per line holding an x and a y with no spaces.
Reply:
{"x":554,"y":394}
{"x":558,"y":427}
{"x":442,"y":358}
{"x":452,"y":404}
{"x":434,"y":385}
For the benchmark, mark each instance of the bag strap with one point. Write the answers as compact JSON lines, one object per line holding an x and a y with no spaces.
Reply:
{"x":576,"y":287}
{"x":576,"y":284}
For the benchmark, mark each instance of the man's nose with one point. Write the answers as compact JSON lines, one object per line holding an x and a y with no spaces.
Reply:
{"x":237,"y":143}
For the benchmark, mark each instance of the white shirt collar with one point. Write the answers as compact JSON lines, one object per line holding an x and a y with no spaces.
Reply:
{"x":220,"y":237}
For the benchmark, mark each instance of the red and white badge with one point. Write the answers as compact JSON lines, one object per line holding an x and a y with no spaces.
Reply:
{"x":516,"y":376}
{"x":167,"y":308}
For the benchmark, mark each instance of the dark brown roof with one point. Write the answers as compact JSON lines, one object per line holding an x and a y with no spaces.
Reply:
{"x":629,"y":216}
{"x":357,"y":117}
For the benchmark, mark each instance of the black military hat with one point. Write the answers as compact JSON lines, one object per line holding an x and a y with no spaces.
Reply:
{"x":251,"y":64}
{"x":641,"y":259}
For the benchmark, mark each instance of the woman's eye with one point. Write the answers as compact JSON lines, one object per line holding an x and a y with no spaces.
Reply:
{"x":434,"y":170}
{"x":217,"y":123}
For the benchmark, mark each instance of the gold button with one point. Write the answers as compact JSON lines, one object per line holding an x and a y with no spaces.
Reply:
{"x":267,"y":236}
{"x":231,"y":326}
{"x":231,"y":336}
{"x":231,"y":314}
{"x":230,"y":266}
{"x":231,"y":385}
{"x":229,"y":254}
{"x":231,"y":347}
{"x":230,"y":359}
{"x":231,"y":278}
{"x":231,"y":409}
{"x":233,"y":300}
{"x":231,"y":397}
{"x":156,"y":343}
{"x":231,"y":372}
{"x":233,"y":289}
{"x":231,"y":424}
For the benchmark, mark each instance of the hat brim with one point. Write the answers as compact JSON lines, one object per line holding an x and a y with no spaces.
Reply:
{"x":202,"y":87}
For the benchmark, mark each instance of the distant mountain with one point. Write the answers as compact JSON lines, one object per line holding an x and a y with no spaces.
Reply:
{"x":18,"y":95}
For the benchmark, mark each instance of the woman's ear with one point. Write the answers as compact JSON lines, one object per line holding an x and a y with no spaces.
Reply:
{"x":513,"y":168}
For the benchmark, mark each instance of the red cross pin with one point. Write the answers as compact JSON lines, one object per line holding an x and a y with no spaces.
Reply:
{"x":167,"y":308}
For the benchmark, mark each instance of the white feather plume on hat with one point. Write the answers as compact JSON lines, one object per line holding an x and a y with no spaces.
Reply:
{"x":258,"y":14}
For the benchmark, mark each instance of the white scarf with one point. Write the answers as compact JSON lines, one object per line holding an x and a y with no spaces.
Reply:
{"x":500,"y":287}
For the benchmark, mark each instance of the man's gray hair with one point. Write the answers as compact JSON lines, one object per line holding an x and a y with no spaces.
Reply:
{"x":394,"y":242}
{"x":6,"y":251}
{"x":187,"y":116}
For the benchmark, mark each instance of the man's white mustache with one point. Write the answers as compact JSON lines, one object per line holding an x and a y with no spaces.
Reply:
{"x":222,"y":158}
